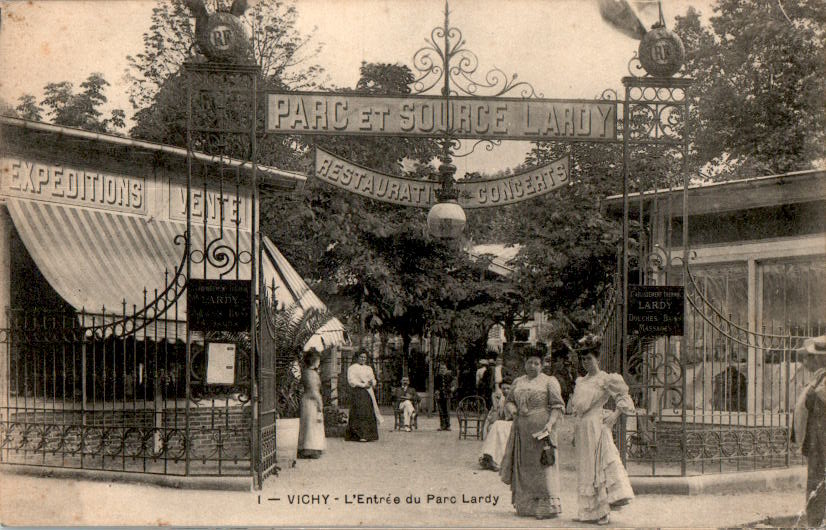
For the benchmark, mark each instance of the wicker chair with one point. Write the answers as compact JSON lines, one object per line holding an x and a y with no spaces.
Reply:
{"x":471,"y":413}
{"x":398,"y":416}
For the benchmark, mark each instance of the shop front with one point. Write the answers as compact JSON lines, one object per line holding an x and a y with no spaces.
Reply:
{"x":102,"y":366}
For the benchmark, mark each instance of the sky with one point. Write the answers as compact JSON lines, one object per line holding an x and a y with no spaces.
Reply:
{"x":561,"y":47}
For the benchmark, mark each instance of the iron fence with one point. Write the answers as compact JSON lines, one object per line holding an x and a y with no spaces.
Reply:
{"x":103,"y":399}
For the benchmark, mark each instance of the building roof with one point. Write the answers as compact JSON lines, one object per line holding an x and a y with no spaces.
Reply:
{"x":741,"y":194}
{"x":270,"y":176}
{"x":501,"y":256}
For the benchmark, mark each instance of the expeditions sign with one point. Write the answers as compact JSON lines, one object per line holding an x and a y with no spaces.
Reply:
{"x":422,"y":193}
{"x":470,"y":117}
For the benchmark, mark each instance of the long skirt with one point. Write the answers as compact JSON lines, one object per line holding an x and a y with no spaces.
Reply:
{"x":534,"y":487}
{"x":816,"y":456}
{"x":496,"y":441}
{"x":311,"y":440}
{"x":602,"y":483}
{"x":362,"y":424}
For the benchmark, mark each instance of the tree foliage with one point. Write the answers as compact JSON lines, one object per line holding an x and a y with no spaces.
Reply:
{"x":66,"y":106}
{"x":158,"y":86}
{"x":283,"y":53}
{"x":760,"y":73}
{"x":28,"y":109}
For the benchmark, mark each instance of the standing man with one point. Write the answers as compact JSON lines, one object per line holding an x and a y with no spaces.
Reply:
{"x":480,"y":372}
{"x":444,"y":385}
{"x":810,"y":428}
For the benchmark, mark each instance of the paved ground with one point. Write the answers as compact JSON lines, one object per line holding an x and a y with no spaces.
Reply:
{"x":419,"y":464}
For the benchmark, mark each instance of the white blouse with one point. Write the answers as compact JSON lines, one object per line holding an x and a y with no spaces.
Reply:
{"x":593,"y":392}
{"x":360,"y":375}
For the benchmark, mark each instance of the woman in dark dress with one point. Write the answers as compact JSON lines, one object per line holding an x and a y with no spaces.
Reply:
{"x":364,"y":414}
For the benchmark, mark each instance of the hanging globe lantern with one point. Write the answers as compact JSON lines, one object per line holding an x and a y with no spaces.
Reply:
{"x":446,"y":220}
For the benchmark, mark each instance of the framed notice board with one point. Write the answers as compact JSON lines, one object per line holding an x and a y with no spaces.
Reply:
{"x":656,"y":310}
{"x":219,"y":305}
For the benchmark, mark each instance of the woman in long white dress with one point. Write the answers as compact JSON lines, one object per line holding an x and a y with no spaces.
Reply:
{"x":602,"y":482}
{"x":497,"y":429}
{"x":311,"y":440}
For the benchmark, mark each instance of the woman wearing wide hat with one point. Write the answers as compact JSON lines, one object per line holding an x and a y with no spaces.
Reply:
{"x":602,"y":482}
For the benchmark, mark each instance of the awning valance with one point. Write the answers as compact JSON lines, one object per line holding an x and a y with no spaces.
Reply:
{"x":330,"y":334}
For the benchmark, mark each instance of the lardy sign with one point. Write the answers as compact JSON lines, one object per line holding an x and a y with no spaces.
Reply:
{"x":422,"y":193}
{"x":469,"y":117}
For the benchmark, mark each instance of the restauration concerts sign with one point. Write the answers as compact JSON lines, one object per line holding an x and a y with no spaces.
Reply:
{"x":422,"y":193}
{"x":470,"y":117}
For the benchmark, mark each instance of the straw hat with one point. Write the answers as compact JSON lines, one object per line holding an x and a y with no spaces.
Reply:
{"x":814,"y":346}
{"x":483,"y":362}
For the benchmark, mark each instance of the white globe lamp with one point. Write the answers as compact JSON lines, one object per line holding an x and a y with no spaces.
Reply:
{"x":446,"y":220}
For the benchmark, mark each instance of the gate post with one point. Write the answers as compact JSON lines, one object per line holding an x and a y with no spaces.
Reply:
{"x":5,"y":303}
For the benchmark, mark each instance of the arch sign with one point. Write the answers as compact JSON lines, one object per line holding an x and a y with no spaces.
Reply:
{"x":416,"y":116}
{"x":317,"y":113}
{"x":422,"y":193}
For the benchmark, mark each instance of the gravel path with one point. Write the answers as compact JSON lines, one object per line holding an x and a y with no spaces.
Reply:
{"x":434,"y":468}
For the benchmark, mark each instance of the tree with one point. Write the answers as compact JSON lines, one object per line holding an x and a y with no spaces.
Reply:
{"x":75,"y":109}
{"x":282,"y":52}
{"x":760,"y":75}
{"x":28,"y":109}
{"x":158,"y":91}
{"x":158,"y":86}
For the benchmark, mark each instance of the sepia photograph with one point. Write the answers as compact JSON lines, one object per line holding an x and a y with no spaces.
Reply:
{"x":413,"y":263}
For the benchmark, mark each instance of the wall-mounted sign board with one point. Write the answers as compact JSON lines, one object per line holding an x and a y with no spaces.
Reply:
{"x":656,"y":310}
{"x":219,"y":305}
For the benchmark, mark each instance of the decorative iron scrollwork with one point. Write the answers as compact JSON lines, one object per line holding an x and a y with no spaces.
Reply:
{"x":445,"y":54}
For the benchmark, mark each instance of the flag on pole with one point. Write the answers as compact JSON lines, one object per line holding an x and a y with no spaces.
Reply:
{"x":624,"y":16}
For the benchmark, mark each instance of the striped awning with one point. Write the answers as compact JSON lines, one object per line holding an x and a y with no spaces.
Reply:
{"x":109,"y":266}
{"x":288,"y":287}
{"x":109,"y":263}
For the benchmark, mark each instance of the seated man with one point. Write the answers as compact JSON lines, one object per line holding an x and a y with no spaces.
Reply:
{"x":499,"y":423}
{"x":408,"y":402}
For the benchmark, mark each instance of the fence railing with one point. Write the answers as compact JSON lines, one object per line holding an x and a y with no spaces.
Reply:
{"x":718,"y":400}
